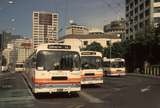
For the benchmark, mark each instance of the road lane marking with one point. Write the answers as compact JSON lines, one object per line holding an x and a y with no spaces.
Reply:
{"x":90,"y":98}
{"x":146,"y":89}
{"x":79,"y":106}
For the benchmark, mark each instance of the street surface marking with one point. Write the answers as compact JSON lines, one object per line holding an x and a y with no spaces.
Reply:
{"x":79,"y":106}
{"x":90,"y":98}
{"x":16,"y":98}
{"x":146,"y":89}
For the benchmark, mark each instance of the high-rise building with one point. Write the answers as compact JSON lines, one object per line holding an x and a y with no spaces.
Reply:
{"x":44,"y":27}
{"x":140,"y":14}
{"x":116,"y":27}
{"x":76,"y":29}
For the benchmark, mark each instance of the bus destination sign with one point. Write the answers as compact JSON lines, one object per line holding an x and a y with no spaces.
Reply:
{"x":59,"y":47}
{"x":88,"y":53}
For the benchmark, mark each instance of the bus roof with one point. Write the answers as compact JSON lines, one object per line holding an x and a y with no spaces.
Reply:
{"x":91,"y":53}
{"x":113,"y":59}
{"x":57,"y":46}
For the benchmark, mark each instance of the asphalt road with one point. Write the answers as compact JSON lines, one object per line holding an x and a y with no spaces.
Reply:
{"x":116,"y":92}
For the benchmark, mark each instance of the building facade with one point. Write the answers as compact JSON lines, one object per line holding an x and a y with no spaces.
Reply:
{"x":10,"y":54}
{"x":116,"y":27}
{"x":82,"y":41}
{"x":24,"y":48}
{"x":76,"y":29}
{"x":140,"y":14}
{"x":44,"y":27}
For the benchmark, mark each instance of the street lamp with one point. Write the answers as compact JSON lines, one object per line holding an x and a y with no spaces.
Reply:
{"x":11,"y":2}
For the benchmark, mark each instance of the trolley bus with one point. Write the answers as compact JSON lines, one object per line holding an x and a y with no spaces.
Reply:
{"x":54,"y":67}
{"x":91,"y":68}
{"x":114,"y":66}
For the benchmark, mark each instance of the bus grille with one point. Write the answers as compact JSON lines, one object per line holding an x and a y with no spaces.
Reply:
{"x":59,"y":78}
{"x":89,"y":74}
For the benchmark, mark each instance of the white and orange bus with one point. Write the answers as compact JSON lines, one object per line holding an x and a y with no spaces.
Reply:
{"x":54,"y":68}
{"x":91,"y":68}
{"x":114,"y":67}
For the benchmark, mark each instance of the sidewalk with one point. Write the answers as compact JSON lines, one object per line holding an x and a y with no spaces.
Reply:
{"x":143,"y":75}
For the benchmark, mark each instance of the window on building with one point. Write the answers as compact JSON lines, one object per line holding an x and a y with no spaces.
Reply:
{"x":131,"y":13}
{"x":136,"y":10}
{"x":156,"y":0}
{"x":136,"y":27}
{"x":156,"y":9}
{"x":36,"y":14}
{"x":141,"y":16}
{"x":147,"y":12}
{"x":131,"y":5}
{"x":147,"y":3}
{"x":85,"y":43}
{"x":157,"y":20}
{"x":136,"y":18}
{"x":141,"y":25}
{"x":141,"y":6}
{"x":136,"y":2}
{"x":108,"y":43}
{"x":127,"y":8}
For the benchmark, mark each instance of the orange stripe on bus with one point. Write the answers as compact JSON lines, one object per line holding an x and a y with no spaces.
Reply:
{"x":72,"y":80}
{"x":95,"y":76}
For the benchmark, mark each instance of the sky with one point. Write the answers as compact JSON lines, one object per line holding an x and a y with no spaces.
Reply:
{"x":16,"y":16}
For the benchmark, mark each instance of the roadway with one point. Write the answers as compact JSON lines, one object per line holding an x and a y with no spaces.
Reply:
{"x":116,"y":92}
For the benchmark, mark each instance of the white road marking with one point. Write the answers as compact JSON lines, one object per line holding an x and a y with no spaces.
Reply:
{"x":79,"y":106}
{"x":146,"y":89}
{"x":90,"y":98}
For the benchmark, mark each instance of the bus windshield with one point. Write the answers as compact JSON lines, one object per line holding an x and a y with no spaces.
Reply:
{"x":19,"y":65}
{"x":91,"y":62}
{"x":115,"y":64}
{"x":58,"y":60}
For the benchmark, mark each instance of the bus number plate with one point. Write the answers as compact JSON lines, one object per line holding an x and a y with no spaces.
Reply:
{"x":59,"y":90}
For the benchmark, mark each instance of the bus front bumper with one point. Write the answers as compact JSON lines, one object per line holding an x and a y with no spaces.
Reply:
{"x":56,"y":88}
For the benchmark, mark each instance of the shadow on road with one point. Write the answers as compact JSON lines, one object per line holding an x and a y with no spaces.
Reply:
{"x":91,"y":86}
{"x":56,"y":95}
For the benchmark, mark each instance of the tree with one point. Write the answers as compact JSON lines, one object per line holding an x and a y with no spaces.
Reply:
{"x":94,"y":46}
{"x":118,"y":49}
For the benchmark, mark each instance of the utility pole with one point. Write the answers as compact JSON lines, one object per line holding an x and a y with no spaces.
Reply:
{"x":1,"y":49}
{"x":110,"y":52}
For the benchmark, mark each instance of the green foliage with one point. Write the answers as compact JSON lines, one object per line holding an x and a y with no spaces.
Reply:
{"x":145,"y":47}
{"x":94,"y":47}
{"x":118,"y":49}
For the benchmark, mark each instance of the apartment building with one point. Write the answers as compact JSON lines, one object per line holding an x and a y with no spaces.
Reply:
{"x":140,"y":14}
{"x":44,"y":27}
{"x":76,"y":29}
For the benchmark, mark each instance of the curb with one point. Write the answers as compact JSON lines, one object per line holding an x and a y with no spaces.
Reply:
{"x":142,"y":75}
